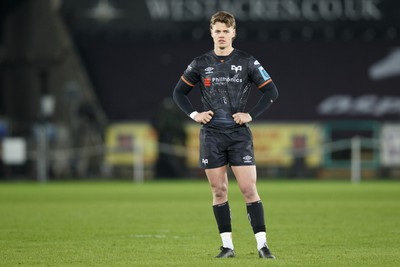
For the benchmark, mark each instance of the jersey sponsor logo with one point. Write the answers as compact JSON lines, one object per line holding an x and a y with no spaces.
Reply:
{"x":189,"y":68}
{"x":256,"y":62}
{"x":236,"y":68}
{"x":209,"y":70}
{"x":247,"y":159}
{"x":207,"y":81}
{"x":264,"y":73}
{"x":224,"y":80}
{"x":204,"y":161}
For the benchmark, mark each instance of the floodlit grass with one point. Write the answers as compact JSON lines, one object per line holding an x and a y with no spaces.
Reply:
{"x":171,"y":223}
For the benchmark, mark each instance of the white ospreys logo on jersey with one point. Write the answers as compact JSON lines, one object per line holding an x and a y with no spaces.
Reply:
{"x":236,"y":68}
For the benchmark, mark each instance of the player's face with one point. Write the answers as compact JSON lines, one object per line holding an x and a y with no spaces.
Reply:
{"x":222,"y":35}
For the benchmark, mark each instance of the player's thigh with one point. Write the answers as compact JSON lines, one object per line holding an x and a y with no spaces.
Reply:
{"x":217,"y":177}
{"x":246,"y":177}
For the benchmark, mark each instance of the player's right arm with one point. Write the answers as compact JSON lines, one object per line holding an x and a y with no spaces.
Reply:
{"x":180,"y":97}
{"x":181,"y":91}
{"x":185,"y":84}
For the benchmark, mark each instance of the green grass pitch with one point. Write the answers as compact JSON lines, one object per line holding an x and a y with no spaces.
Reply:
{"x":170,"y":223}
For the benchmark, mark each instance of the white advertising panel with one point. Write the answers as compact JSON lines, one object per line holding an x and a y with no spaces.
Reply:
{"x":390,"y":145}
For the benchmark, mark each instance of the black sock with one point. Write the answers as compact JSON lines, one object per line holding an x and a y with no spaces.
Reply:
{"x":255,"y":213}
{"x":222,"y":214}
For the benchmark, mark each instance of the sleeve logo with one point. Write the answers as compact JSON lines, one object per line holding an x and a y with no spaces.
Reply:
{"x":264,"y":73}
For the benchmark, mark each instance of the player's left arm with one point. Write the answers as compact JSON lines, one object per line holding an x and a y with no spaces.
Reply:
{"x":266,"y":86}
{"x":270,"y":94}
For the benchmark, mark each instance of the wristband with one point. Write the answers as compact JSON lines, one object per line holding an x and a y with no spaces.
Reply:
{"x":193,"y":114}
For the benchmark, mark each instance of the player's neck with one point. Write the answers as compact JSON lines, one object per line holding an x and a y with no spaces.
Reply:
{"x":226,"y":51}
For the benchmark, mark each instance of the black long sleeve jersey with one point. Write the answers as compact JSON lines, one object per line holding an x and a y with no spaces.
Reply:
{"x":225,"y":84}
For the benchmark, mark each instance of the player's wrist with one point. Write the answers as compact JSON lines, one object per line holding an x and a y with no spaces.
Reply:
{"x":251,"y":118}
{"x":193,"y":115}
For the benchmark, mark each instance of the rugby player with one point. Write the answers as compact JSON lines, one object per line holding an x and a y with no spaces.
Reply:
{"x":225,"y":76}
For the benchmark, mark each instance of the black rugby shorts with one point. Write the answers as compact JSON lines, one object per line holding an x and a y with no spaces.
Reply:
{"x":233,"y":147}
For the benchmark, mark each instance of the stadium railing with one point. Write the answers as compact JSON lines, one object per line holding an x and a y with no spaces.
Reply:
{"x":355,"y":145}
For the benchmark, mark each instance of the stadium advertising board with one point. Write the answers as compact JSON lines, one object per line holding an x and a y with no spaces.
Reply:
{"x":301,"y":18}
{"x":121,"y":139}
{"x":278,"y":144}
{"x":390,"y":145}
{"x":275,"y":144}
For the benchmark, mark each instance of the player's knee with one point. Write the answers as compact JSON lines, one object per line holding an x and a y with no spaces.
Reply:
{"x":249,"y":193}
{"x":220,"y":191}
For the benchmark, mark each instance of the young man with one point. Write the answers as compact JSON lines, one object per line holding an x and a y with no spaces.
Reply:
{"x":225,"y":75}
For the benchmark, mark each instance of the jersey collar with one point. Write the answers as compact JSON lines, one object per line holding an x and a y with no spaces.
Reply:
{"x":226,"y":57}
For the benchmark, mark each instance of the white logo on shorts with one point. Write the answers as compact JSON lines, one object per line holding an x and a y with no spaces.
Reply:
{"x":247,"y":159}
{"x":204,"y":161}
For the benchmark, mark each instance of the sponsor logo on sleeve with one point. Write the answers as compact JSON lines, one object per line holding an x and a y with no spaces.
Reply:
{"x":264,"y":73}
{"x":256,"y":62}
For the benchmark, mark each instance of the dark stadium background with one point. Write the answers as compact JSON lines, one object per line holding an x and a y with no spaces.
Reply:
{"x":332,"y":60}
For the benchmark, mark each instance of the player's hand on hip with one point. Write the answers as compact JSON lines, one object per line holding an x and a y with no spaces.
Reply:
{"x":204,"y":117}
{"x":241,"y":118}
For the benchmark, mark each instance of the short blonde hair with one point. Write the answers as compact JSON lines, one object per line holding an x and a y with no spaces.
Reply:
{"x":223,"y":17}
